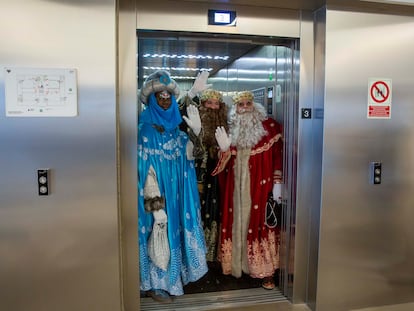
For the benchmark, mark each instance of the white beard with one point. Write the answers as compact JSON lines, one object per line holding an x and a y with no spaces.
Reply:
{"x":246,"y":129}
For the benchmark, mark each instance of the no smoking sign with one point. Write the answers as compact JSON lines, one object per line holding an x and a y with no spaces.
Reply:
{"x":379,"y":98}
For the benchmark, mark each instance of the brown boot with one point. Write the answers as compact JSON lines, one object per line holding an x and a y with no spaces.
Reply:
{"x":159,"y":295}
{"x":268,"y":283}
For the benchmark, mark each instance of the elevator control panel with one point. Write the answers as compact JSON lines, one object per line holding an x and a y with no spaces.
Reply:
{"x":43,"y":181}
{"x":375,"y":173}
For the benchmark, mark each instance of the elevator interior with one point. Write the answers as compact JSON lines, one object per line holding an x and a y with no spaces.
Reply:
{"x":267,"y":66}
{"x":76,"y":248}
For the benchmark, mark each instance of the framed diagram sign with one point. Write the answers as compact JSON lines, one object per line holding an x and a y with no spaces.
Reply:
{"x":37,"y":92}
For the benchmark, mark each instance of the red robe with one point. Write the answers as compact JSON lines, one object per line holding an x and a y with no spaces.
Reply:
{"x":246,"y":177}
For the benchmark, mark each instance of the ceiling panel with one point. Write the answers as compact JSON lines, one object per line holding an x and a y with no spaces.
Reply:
{"x":177,"y":51}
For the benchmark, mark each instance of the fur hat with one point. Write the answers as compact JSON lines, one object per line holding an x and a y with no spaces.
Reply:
{"x":211,"y":94}
{"x":243,"y":95}
{"x":158,"y":81}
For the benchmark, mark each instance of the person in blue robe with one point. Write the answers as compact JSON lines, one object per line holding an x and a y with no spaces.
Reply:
{"x":172,"y":249}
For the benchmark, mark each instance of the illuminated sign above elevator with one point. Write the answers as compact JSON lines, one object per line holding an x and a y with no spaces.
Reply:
{"x":222,"y":18}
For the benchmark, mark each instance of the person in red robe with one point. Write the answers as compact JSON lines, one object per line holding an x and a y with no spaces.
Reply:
{"x":249,"y":169}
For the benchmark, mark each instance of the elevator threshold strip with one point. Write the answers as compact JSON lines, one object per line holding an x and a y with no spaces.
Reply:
{"x":216,"y":300}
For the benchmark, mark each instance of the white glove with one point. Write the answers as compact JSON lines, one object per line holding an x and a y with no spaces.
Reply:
{"x":159,"y":216}
{"x":223,"y":140}
{"x":189,"y":150}
{"x":193,"y":119}
{"x":200,"y":84}
{"x":277,"y":193}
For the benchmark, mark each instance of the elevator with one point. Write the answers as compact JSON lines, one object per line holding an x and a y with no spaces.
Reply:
{"x":268,"y":66}
{"x":76,"y":248}
{"x":267,"y":52}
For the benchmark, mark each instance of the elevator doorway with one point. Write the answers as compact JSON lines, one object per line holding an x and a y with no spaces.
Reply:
{"x":269,"y":67}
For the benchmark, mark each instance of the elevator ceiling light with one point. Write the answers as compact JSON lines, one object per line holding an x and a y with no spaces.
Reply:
{"x":177,"y":77}
{"x":177,"y":68}
{"x":185,"y":56}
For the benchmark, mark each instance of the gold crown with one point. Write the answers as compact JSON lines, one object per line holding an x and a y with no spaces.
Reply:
{"x":211,"y":94}
{"x":243,"y":95}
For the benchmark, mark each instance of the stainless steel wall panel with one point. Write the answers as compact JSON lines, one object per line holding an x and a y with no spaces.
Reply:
{"x":365,"y":258}
{"x":309,"y":151}
{"x":249,"y":72}
{"x":60,"y":252}
{"x":128,"y":117}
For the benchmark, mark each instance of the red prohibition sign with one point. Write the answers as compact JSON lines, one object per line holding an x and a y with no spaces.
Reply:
{"x":378,"y":93}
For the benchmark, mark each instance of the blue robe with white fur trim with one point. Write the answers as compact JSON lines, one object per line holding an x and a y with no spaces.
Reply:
{"x":165,"y":151}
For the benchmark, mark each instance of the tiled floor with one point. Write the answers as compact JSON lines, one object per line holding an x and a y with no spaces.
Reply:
{"x":399,"y":307}
{"x":281,"y":306}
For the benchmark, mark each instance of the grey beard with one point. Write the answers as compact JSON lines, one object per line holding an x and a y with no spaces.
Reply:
{"x":247,"y":129}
